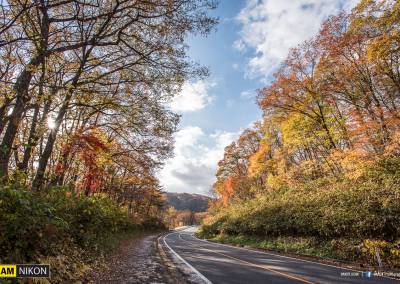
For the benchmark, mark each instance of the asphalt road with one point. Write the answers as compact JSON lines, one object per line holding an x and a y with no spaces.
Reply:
{"x":217,"y":263}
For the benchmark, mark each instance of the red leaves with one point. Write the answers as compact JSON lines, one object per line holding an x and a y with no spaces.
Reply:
{"x":334,"y":105}
{"x":89,"y":146}
{"x":60,"y":168}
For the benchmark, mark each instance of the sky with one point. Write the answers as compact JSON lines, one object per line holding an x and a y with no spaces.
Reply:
{"x":251,"y":40}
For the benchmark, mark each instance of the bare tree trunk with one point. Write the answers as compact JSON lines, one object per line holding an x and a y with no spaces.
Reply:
{"x":33,"y":136}
{"x":21,"y":88}
{"x":3,"y":114}
{"x":22,"y":97}
{"x":44,"y":158}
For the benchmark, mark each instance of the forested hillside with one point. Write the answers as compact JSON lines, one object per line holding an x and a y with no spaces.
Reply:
{"x":320,"y":174}
{"x":84,"y":122}
{"x":188,"y":201}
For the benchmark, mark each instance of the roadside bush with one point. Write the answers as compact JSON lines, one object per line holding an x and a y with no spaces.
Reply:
{"x":153,"y":223}
{"x":57,"y":227}
{"x":366,"y":208}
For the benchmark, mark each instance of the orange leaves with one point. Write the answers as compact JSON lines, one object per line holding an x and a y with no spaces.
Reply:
{"x":332,"y":110}
{"x":393,"y":147}
{"x":346,"y":78}
{"x":228,"y":191}
{"x":258,"y":160}
{"x":233,"y":168}
{"x":352,"y":161}
{"x":90,"y":147}
{"x":225,"y":189}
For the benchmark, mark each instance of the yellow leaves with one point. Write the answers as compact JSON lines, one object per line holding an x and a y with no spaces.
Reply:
{"x":296,"y":131}
{"x":31,"y":68}
{"x":395,"y":251}
{"x":393,"y":147}
{"x":371,"y":246}
{"x":379,"y":18}
{"x":354,"y":162}
{"x":258,"y":160}
{"x":389,"y":252}
{"x":275,"y":182}
{"x":383,"y":46}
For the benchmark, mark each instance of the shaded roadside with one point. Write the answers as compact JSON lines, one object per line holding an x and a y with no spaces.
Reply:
{"x":135,"y":261}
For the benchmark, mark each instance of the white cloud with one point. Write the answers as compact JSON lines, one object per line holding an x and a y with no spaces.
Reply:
{"x":248,"y":94}
{"x":235,"y":66}
{"x":193,"y":97}
{"x":239,"y":45}
{"x":194,"y":165}
{"x":272,"y":27}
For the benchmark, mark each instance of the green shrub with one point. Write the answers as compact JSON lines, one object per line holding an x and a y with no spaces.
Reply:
{"x":58,"y":227}
{"x":367,"y":208}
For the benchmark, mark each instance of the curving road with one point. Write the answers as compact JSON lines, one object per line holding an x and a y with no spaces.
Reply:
{"x":217,"y":263}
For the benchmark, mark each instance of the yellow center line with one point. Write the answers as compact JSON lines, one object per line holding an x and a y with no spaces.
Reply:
{"x":251,"y":264}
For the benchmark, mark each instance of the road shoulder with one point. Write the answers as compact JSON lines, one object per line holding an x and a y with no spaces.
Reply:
{"x":137,"y":260}
{"x":184,"y":272}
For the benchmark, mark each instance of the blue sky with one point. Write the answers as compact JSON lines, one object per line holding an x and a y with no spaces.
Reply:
{"x":228,"y":110}
{"x":252,"y":39}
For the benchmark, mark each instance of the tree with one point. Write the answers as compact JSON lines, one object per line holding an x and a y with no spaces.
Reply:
{"x":331,"y":110}
{"x":129,"y":46}
{"x":233,"y":168}
{"x":84,"y":89}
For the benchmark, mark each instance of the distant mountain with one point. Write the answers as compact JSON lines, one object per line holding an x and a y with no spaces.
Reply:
{"x":193,"y":202}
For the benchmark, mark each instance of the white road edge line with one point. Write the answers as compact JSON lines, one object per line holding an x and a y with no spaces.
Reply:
{"x":185,"y":262}
{"x":277,"y":255}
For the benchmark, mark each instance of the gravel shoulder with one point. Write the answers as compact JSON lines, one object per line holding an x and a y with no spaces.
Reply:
{"x":137,"y":260}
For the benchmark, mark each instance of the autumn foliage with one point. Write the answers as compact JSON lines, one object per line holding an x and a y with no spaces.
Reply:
{"x":324,"y":162}
{"x":84,"y":93}
{"x":85,"y":123}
